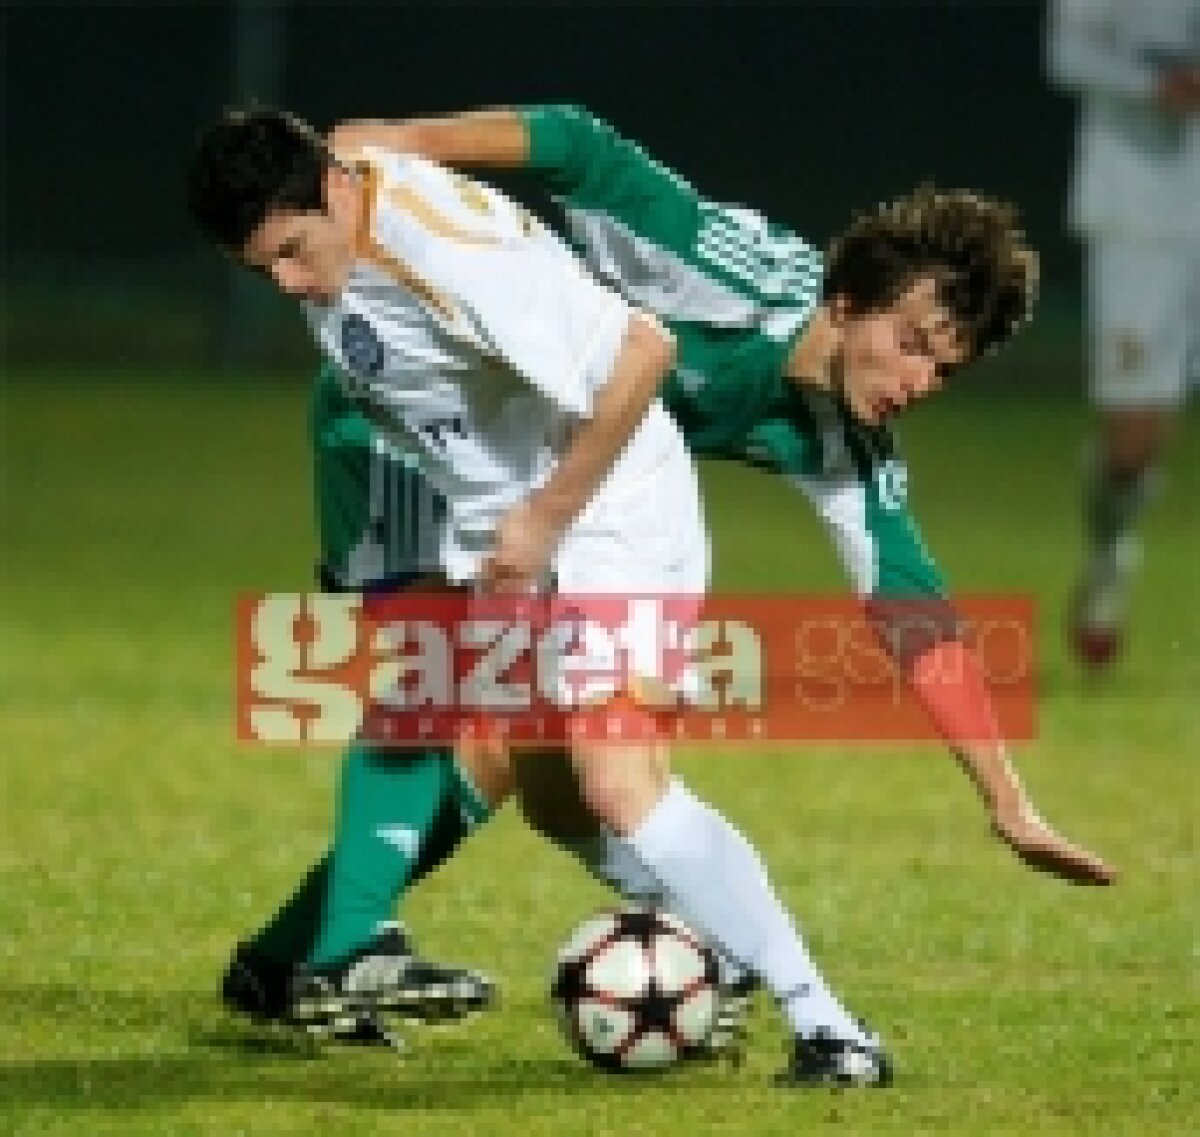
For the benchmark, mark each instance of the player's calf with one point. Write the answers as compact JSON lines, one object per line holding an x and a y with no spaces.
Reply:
{"x":1099,"y":604}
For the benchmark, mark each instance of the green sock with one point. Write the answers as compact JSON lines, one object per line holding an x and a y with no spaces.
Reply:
{"x":463,"y":808}
{"x":388,"y":801}
{"x":290,"y":934}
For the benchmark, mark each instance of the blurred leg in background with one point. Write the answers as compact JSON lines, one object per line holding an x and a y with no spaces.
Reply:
{"x":1144,"y":311}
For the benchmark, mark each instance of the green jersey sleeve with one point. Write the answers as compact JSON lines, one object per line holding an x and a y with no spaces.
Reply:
{"x":590,"y":166}
{"x":875,"y":534}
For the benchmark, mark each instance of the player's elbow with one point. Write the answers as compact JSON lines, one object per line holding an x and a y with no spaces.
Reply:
{"x":652,"y":342}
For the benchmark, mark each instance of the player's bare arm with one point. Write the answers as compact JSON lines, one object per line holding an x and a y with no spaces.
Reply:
{"x":527,"y":534}
{"x":497,"y":138}
{"x":964,"y":713}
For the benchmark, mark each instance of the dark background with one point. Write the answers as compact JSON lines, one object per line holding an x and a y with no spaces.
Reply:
{"x":806,"y":111}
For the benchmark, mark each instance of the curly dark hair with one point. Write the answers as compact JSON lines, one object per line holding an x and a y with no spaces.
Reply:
{"x":250,"y":161}
{"x":973,"y":247}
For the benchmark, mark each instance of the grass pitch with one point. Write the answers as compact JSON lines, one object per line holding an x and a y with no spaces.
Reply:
{"x":138,"y":840}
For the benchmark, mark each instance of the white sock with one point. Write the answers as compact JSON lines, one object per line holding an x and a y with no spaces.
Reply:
{"x":721,"y":884}
{"x":614,"y":861}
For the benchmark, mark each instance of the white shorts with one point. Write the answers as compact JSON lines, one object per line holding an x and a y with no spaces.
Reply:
{"x":653,"y":542}
{"x":1144,"y":308}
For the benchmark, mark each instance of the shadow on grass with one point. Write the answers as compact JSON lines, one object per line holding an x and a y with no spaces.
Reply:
{"x":218,"y":1057}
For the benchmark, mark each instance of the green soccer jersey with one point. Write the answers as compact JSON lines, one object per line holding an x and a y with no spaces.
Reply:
{"x":378,"y":520}
{"x":736,"y":291}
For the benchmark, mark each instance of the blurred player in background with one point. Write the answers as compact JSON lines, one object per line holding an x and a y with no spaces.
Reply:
{"x":1135,"y":68}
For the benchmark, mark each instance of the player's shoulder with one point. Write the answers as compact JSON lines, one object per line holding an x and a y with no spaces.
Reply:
{"x":415,"y":200}
{"x":390,"y":176}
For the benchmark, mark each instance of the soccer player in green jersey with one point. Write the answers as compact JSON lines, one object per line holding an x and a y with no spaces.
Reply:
{"x":794,"y":362}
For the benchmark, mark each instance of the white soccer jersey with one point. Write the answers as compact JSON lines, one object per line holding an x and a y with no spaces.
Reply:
{"x":470,"y":333}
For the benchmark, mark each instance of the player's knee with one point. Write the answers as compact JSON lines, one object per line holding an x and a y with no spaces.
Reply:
{"x":1132,"y":441}
{"x":620,"y":787}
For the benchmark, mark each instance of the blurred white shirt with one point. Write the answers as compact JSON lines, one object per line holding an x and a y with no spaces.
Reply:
{"x":1137,"y":169}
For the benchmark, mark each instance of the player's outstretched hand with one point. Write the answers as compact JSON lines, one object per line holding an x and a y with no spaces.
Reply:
{"x":1041,"y":847}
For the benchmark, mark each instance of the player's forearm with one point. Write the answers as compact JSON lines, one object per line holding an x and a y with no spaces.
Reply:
{"x":948,"y":681}
{"x":619,"y":406}
{"x":497,"y":138}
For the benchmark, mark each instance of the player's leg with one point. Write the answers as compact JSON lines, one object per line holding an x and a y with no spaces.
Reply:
{"x":387,"y":803}
{"x":419,"y":805}
{"x":389,"y":807}
{"x":479,"y":784}
{"x":547,"y":792}
{"x":711,"y":874}
{"x":288,"y":936}
{"x":1140,"y":316}
{"x":717,"y":882}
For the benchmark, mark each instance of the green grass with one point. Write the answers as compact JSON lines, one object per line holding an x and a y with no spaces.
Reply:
{"x":138,"y":840}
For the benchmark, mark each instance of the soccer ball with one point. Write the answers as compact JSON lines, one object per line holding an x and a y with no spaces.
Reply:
{"x":635,"y":990}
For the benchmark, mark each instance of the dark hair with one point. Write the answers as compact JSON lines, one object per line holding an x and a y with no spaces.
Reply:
{"x":986,"y":272}
{"x":249,"y":162}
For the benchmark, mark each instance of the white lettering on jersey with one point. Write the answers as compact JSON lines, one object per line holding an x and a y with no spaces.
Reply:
{"x":891,"y":484}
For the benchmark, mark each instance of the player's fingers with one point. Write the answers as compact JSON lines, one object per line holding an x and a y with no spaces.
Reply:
{"x":1040,"y":847}
{"x":1063,"y":859}
{"x":1078,"y":870}
{"x":1092,"y":870}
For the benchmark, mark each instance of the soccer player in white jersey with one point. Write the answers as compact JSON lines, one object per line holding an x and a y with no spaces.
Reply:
{"x":1135,"y":201}
{"x":528,"y":390}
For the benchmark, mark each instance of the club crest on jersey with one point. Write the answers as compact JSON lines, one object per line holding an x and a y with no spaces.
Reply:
{"x":362,"y":348}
